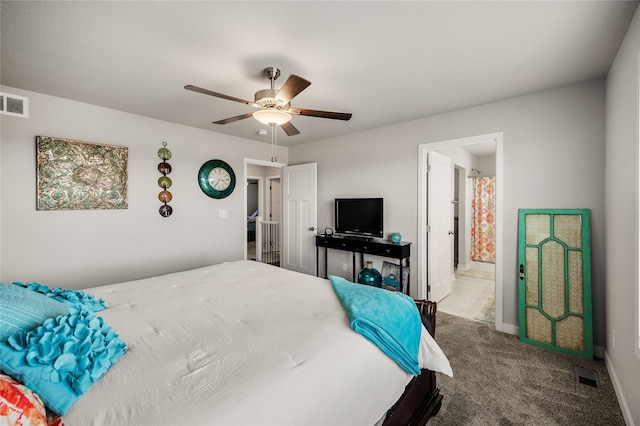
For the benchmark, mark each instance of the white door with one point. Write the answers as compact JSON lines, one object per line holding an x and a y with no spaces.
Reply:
{"x":439,"y":225}
{"x":299,"y":217}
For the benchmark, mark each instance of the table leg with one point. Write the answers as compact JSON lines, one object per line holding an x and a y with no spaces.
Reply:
{"x":409,"y":275}
{"x":326,"y":262}
{"x":353,"y":266}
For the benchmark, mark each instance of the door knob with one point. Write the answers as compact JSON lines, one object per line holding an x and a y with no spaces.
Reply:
{"x":451,"y":232}
{"x":312,"y":229}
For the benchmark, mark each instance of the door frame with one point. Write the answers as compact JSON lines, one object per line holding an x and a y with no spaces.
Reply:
{"x":423,"y":149}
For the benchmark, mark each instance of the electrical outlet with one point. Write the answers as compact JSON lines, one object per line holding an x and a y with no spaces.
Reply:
{"x":613,"y":337}
{"x":344,"y":267}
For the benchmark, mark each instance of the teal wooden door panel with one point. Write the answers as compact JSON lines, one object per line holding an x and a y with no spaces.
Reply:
{"x":554,"y":276}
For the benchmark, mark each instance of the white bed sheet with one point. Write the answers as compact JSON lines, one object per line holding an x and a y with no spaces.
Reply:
{"x":240,"y":343}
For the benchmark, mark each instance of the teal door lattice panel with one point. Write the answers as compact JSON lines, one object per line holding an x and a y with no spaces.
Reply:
{"x":554,"y":261}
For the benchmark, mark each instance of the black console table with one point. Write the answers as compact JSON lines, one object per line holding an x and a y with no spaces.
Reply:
{"x":374,"y":246}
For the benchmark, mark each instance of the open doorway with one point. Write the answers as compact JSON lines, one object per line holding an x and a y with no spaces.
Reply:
{"x":298,"y":220}
{"x":472,"y":293}
{"x":254,"y":191}
{"x":262,"y":211}
{"x":468,"y":156}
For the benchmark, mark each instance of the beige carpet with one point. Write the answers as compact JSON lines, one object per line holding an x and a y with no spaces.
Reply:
{"x":498,"y":380}
{"x":478,"y":274}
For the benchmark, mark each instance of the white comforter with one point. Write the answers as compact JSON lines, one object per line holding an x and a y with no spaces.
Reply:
{"x":241,"y":343}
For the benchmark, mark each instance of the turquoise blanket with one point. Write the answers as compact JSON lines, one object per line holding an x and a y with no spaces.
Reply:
{"x":387,"y":319}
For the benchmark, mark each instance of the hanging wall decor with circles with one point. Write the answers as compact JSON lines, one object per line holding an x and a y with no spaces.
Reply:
{"x":164,"y":181}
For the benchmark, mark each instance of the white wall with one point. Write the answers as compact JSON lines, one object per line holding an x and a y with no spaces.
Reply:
{"x":621,"y":197}
{"x":253,"y":196}
{"x":487,"y":165}
{"x":83,"y":248}
{"x":553,"y":158}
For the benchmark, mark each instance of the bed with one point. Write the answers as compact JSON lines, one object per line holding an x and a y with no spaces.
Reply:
{"x":245,"y":343}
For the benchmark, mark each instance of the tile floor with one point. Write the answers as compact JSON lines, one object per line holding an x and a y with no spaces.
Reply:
{"x":469,"y":297}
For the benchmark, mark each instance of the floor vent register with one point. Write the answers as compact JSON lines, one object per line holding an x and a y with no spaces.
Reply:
{"x":587,"y":377}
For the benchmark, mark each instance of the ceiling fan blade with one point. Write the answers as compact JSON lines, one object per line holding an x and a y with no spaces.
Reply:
{"x":292,"y":87}
{"x":218,"y":95}
{"x":290,"y":129}
{"x":323,"y":114}
{"x":232,"y":119}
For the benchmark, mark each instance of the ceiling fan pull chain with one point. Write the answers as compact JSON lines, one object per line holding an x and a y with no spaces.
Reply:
{"x":274,"y":144}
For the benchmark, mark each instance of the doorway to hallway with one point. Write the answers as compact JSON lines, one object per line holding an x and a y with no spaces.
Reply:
{"x":262,"y":207}
{"x":463,"y":152}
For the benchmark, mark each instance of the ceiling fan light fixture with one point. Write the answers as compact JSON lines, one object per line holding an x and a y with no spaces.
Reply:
{"x":272,"y":116}
{"x":273,"y":105}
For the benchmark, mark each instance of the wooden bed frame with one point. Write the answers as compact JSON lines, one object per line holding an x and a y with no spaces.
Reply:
{"x":421,"y":398}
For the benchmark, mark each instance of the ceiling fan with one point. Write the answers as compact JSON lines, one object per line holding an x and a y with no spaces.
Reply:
{"x":274,"y":106}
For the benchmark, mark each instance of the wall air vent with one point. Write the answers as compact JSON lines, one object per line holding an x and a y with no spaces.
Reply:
{"x":17,"y":106}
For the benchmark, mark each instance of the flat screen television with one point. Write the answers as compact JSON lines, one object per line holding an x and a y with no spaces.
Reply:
{"x":359,"y":216}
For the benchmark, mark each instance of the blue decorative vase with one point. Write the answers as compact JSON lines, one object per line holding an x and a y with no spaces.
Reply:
{"x":370,"y":276}
{"x":396,"y":238}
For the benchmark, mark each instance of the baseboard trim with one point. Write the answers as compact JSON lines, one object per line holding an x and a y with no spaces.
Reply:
{"x":511,"y":329}
{"x":624,"y":407}
{"x":598,"y":352}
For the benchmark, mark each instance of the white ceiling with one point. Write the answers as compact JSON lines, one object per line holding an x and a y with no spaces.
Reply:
{"x":384,"y":61}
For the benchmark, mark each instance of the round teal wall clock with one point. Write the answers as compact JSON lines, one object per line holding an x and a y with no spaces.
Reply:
{"x":217,"y":179}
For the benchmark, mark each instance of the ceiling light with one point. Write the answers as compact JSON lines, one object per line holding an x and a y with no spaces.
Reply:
{"x":272,"y":116}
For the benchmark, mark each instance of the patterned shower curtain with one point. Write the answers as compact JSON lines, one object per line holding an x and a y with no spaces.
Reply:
{"x":483,"y":228}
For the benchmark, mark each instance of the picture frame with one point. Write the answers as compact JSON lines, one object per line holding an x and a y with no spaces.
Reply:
{"x":76,"y":175}
{"x":389,"y":268}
